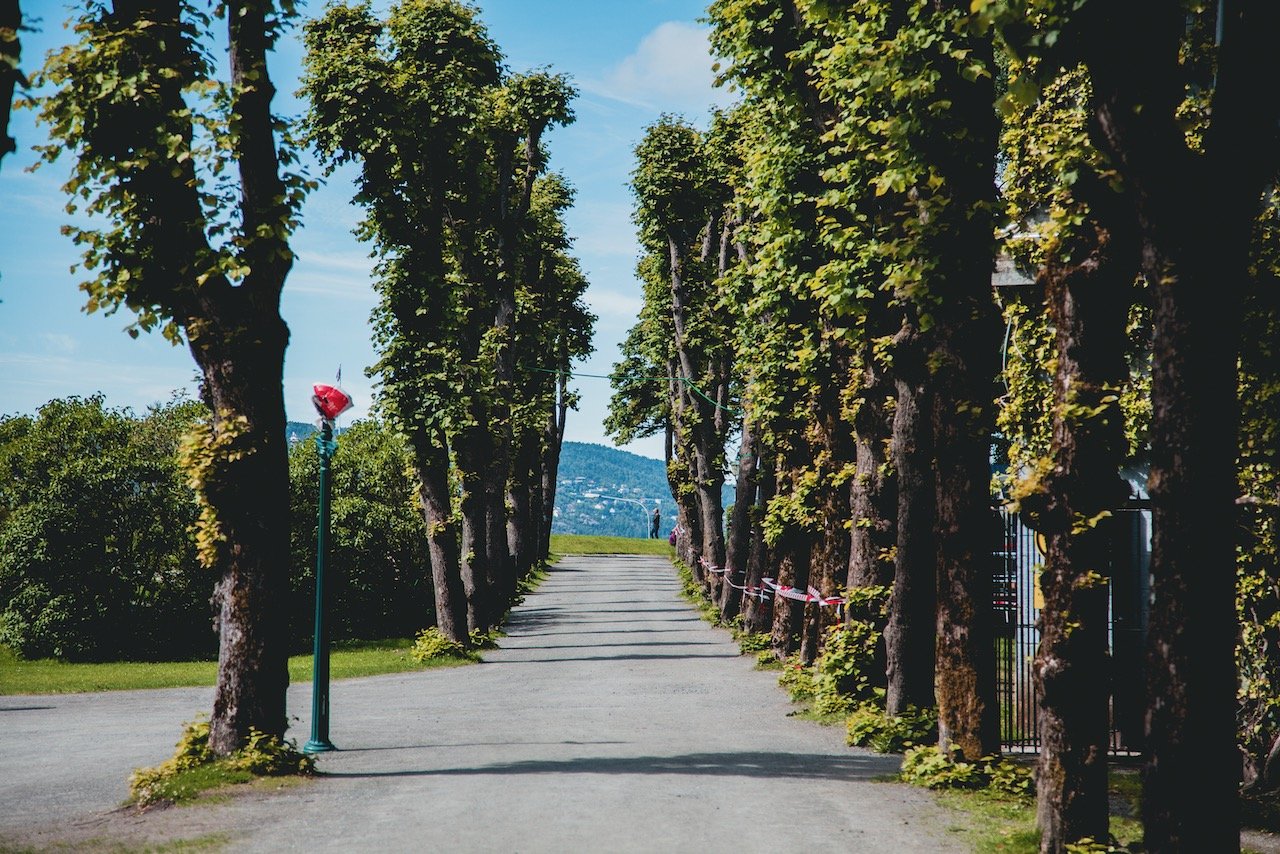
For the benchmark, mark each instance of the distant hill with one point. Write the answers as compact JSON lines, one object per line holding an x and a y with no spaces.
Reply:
{"x":625,"y":486}
{"x":296,"y":431}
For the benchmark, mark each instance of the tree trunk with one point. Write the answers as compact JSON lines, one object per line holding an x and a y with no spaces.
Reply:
{"x":788,"y":614}
{"x":909,"y":637}
{"x":833,"y":444}
{"x":1191,"y":680}
{"x":688,"y":516}
{"x":431,"y":460}
{"x":794,"y":548}
{"x":710,"y":480}
{"x":1195,"y":213}
{"x":520,"y":500}
{"x":740,"y":528}
{"x":698,"y":425}
{"x":10,"y":53}
{"x":238,"y":339}
{"x":1089,"y":306}
{"x":553,"y":441}
{"x":757,"y":615}
{"x":873,"y":492}
{"x":249,"y":497}
{"x":474,"y":508}
{"x":964,"y":361}
{"x":498,"y":568}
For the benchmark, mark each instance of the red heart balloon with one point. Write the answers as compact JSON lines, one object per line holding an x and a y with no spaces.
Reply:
{"x":330,"y":401}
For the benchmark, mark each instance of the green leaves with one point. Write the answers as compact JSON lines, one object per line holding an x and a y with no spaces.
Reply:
{"x":153,"y":134}
{"x":464,"y":223}
{"x":96,"y":562}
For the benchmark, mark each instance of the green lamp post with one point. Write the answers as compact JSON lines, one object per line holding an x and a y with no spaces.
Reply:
{"x":329,"y":402}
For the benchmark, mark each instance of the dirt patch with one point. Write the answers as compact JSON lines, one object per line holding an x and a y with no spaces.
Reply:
{"x":195,"y":825}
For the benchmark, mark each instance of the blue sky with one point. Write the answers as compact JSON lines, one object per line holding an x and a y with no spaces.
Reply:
{"x":631,"y":60}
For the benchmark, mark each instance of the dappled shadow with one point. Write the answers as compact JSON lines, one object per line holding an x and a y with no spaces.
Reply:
{"x":472,"y":744}
{"x":629,"y":657}
{"x":764,"y":764}
{"x":669,"y":621}
{"x":630,"y":608}
{"x":527,"y":620}
{"x":631,"y":645}
{"x":604,"y":632}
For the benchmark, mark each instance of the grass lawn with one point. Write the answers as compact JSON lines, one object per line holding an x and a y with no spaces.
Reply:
{"x":347,"y":659}
{"x":577,"y":544}
{"x":47,"y":676}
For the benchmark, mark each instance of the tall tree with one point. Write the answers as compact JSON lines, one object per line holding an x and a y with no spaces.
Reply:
{"x":1088,"y":275}
{"x":904,"y":208}
{"x":10,"y":75}
{"x":1193,"y":200}
{"x":429,"y":65}
{"x":680,"y":198}
{"x":523,"y":110}
{"x":204,"y":262}
{"x":449,"y":188}
{"x":553,"y":329}
{"x":932,"y":220}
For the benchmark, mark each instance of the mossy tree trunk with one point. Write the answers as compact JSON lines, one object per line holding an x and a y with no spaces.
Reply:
{"x":1088,"y":303}
{"x":1195,"y":212}
{"x":431,"y":461}
{"x":908,"y":635}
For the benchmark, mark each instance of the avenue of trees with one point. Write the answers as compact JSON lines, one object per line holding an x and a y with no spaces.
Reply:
{"x":479,"y":301}
{"x":192,"y":191}
{"x":817,"y":273}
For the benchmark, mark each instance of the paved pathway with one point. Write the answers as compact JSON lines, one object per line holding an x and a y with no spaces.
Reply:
{"x":612,"y":720}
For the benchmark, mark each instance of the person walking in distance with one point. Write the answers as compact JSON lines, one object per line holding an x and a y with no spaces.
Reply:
{"x":653,"y":524}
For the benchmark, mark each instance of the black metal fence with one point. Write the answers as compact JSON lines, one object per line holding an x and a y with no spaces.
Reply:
{"x":1017,"y":609}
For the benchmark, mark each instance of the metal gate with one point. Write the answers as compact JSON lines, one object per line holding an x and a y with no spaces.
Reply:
{"x":1016,"y":604}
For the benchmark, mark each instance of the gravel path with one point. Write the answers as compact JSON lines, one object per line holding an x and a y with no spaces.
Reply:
{"x":612,"y":719}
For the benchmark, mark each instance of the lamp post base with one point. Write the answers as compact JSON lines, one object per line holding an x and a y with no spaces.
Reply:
{"x":315,"y":746}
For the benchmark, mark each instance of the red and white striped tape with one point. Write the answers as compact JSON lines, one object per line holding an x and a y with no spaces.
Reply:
{"x":809,"y":595}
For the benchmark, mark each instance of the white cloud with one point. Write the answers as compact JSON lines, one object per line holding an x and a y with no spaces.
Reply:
{"x":611,"y":304}
{"x":56,"y":342}
{"x":333,"y":274}
{"x":669,"y":70}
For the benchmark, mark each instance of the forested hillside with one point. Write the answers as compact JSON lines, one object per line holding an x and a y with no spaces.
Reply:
{"x":628,"y":479}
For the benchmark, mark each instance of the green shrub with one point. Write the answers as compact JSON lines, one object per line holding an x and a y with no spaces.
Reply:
{"x":870,"y":727}
{"x":1089,"y":846}
{"x":485,"y":640}
{"x":766,"y":660}
{"x":268,"y":756}
{"x":750,"y":642}
{"x":929,"y":767}
{"x":193,"y":768}
{"x":797,"y":679}
{"x":97,"y":562}
{"x":432,"y":644}
{"x":843,"y":673}
{"x":377,"y":538}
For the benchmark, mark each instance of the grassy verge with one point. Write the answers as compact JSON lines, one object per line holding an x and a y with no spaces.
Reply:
{"x":347,"y":659}
{"x":578,"y":544}
{"x":104,"y":845}
{"x":996,"y":822}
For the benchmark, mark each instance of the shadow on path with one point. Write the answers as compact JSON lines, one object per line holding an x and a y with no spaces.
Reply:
{"x":733,"y":764}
